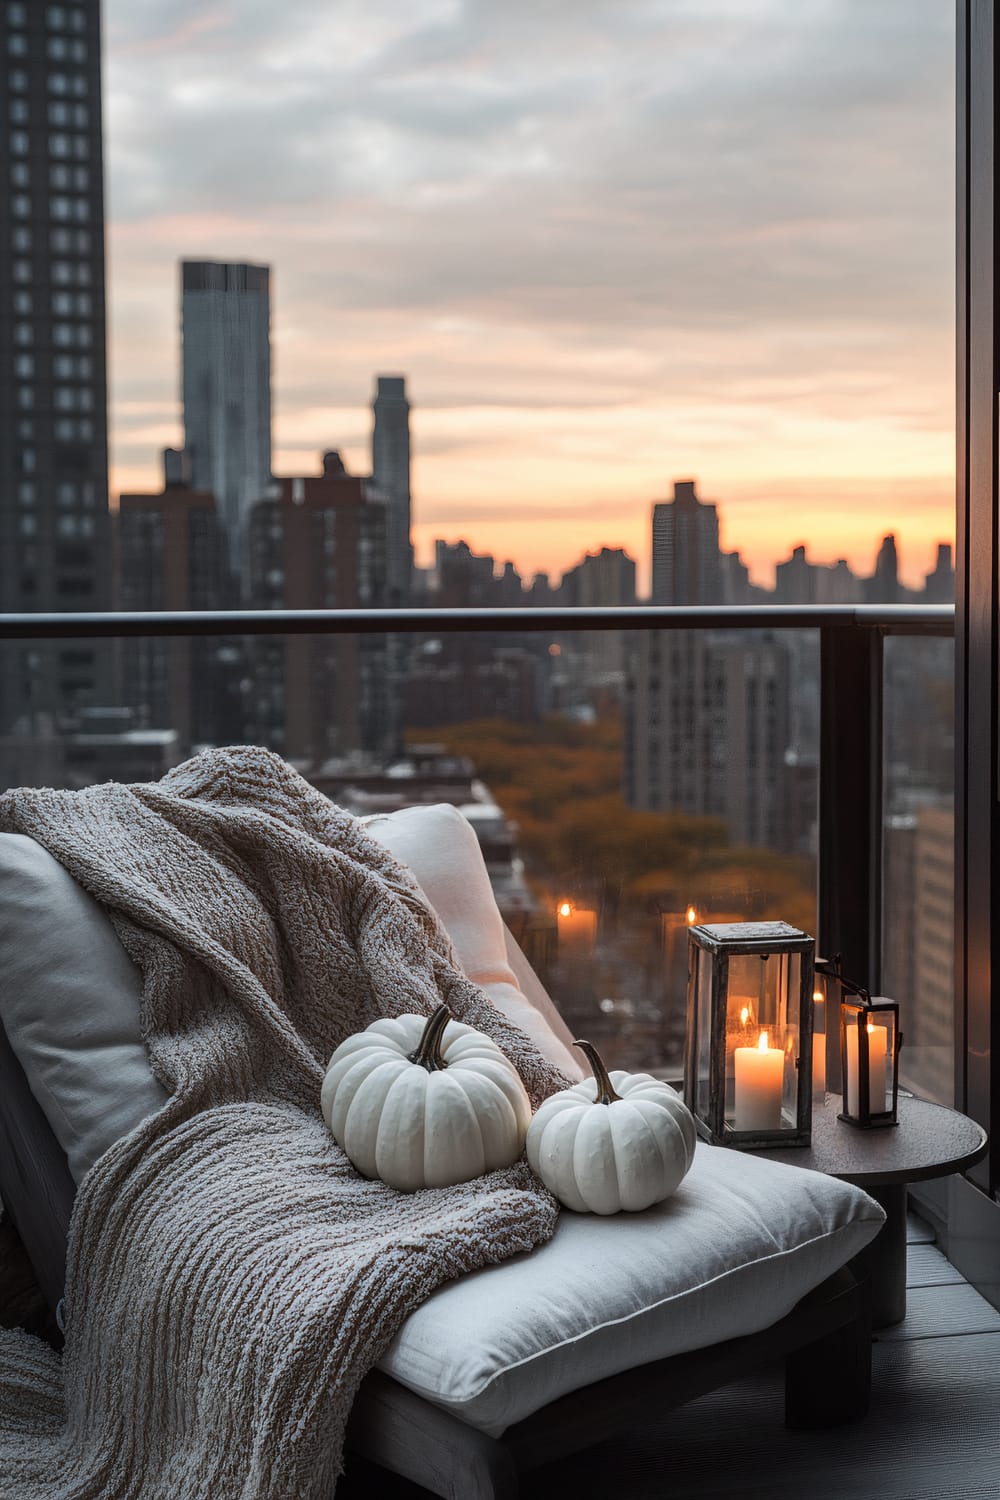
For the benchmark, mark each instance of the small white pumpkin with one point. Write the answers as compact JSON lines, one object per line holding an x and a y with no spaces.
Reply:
{"x":424,"y":1102}
{"x":616,"y":1141}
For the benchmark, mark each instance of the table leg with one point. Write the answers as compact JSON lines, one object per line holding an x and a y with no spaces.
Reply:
{"x":884,"y":1258}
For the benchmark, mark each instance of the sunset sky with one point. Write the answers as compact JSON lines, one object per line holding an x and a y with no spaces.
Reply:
{"x":610,"y":243}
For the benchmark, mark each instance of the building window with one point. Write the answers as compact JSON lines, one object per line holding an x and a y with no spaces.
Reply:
{"x":58,"y":113}
{"x":17,"y":45}
{"x":20,"y":174}
{"x":81,"y":179}
{"x":80,"y":86}
{"x":81,"y":242}
{"x":17,"y":15}
{"x":77,"y":20}
{"x":55,"y":18}
{"x":22,"y":270}
{"x":21,"y":239}
{"x":83,"y":307}
{"x":20,"y":206}
{"x":62,"y":273}
{"x":84,"y":337}
{"x":59,"y":207}
{"x":59,"y":145}
{"x":23,"y":303}
{"x":60,"y":177}
{"x":17,"y":80}
{"x":18,"y":111}
{"x":24,"y":366}
{"x":57,"y":48}
{"x":24,"y":333}
{"x":27,"y":525}
{"x":81,"y":147}
{"x":79,"y":52}
{"x":27,"y":460}
{"x":64,"y":430}
{"x":81,"y":210}
{"x":81,"y":116}
{"x":65,"y":398}
{"x":62,"y":335}
{"x":18,"y":143}
{"x":60,"y":241}
{"x":62,"y":304}
{"x":58,"y":83}
{"x":26,"y":397}
{"x":26,"y":492}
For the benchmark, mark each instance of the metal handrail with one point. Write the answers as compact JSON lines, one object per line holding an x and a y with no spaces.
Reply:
{"x":886,"y":619}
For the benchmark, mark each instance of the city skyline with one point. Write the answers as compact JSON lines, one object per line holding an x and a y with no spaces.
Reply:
{"x":668,"y":239}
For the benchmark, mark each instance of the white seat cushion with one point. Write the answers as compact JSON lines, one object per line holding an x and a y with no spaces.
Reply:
{"x":734,"y":1249}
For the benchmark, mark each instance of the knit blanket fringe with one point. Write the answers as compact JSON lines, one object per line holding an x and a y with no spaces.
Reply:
{"x":231,"y":1278}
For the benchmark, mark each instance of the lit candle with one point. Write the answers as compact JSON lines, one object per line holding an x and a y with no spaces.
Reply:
{"x":759,"y":1077}
{"x":819,"y":1043}
{"x":577,"y":929}
{"x":878,"y":1037}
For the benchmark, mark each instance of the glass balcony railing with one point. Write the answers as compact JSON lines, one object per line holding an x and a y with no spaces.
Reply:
{"x":626,"y":772}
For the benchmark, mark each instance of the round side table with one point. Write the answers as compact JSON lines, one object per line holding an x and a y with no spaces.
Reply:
{"x":929,"y":1141}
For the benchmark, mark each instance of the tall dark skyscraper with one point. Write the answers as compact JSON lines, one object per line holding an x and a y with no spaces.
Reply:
{"x":391,"y":476}
{"x":226,"y":391}
{"x":687,"y":567}
{"x":54,"y":525}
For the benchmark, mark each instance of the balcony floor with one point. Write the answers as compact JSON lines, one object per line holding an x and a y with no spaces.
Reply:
{"x":932,"y":1433}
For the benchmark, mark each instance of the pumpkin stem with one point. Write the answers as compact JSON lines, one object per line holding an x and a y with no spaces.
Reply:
{"x":428,"y":1050}
{"x":605,"y":1088}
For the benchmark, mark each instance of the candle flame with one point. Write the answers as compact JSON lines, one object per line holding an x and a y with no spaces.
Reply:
{"x":744,"y":1015}
{"x":872,"y":1028}
{"x":818,"y":994}
{"x":565,"y":909}
{"x":692,"y":916}
{"x":762,"y":1044}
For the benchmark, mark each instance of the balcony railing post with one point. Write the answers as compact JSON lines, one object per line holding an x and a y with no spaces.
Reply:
{"x":849,"y":858}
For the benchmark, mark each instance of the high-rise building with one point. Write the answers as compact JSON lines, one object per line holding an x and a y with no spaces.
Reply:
{"x":54,"y":525}
{"x":226,"y":392}
{"x":883,"y":586}
{"x":391,"y":476}
{"x":939,"y":586}
{"x":169,"y":555}
{"x":320,"y":543}
{"x":687,"y":565}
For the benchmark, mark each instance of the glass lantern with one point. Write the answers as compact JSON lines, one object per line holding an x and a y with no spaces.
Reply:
{"x":748,"y":1077}
{"x":826,"y":1014}
{"x":870,"y":1040}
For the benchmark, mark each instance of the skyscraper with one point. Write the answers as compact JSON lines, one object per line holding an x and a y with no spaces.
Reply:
{"x":391,"y":476}
{"x":54,"y":527}
{"x":687,"y":566}
{"x":226,"y":391}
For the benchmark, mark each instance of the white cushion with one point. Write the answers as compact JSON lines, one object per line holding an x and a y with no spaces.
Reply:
{"x":69,"y":1000}
{"x":439,"y":846}
{"x":734,"y":1249}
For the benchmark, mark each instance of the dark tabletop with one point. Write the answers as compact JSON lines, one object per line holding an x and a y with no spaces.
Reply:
{"x":929,"y":1141}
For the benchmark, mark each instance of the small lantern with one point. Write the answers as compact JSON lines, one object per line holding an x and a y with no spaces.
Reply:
{"x":826,"y":1013}
{"x":748,"y":1075}
{"x":870,"y":1040}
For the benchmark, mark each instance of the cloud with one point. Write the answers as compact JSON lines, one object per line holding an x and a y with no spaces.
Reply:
{"x":708,"y":210}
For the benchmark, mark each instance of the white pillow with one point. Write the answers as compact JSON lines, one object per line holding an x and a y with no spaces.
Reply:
{"x":69,"y":999}
{"x":439,"y":846}
{"x":734,"y":1249}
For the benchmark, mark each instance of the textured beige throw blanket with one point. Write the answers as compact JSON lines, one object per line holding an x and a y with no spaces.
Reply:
{"x":231,"y":1278}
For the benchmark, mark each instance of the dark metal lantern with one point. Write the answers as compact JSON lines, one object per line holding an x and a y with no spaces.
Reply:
{"x":870,"y":1040}
{"x":748,"y":1057}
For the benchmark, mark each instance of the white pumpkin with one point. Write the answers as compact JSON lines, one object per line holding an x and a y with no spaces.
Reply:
{"x":424,"y":1102}
{"x":616,"y":1141}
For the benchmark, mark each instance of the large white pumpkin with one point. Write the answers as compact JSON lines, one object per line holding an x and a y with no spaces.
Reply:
{"x":424,"y":1102}
{"x":616,"y":1141}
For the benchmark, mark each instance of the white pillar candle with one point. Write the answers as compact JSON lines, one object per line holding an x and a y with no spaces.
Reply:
{"x":819,"y":1045}
{"x":759,"y":1077}
{"x":878,"y":1037}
